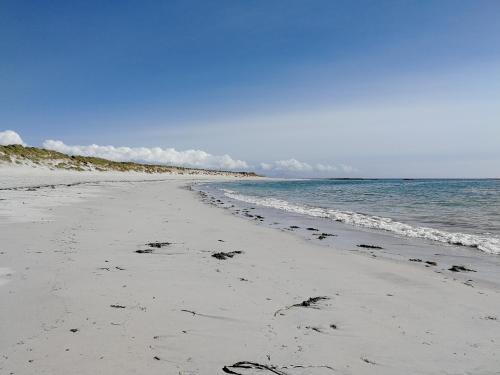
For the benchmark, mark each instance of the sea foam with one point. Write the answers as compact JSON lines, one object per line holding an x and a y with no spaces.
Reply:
{"x":487,"y":244}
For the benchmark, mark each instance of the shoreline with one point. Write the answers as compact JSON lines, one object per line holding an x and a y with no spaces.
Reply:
{"x":339,"y":236}
{"x":180,"y":310}
{"x":402,"y":224}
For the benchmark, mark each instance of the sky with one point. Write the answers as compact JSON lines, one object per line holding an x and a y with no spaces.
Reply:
{"x":315,"y":88}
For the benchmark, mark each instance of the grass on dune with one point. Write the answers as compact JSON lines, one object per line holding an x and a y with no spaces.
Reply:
{"x":18,"y":153}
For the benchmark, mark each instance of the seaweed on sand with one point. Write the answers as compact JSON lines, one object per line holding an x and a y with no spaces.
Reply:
{"x":370,"y":247}
{"x":158,"y":245}
{"x":311,"y":302}
{"x":455,"y":268}
{"x":223,"y":256}
{"x":250,"y":365}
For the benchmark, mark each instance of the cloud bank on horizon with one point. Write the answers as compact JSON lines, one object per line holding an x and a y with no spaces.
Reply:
{"x":187,"y":158}
{"x":294,"y":165}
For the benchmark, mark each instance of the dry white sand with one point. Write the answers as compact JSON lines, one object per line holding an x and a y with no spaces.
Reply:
{"x":63,"y":265}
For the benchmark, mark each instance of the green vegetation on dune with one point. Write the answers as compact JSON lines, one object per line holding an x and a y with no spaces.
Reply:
{"x":30,"y":153}
{"x":19,"y":154}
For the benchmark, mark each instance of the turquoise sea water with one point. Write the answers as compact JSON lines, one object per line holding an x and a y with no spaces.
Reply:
{"x":462,"y":212}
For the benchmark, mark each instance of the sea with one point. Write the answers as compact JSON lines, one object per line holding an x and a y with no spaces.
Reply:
{"x":446,"y":221}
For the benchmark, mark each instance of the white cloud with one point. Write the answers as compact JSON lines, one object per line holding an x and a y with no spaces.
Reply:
{"x":287,"y":165}
{"x":296,"y":166}
{"x":347,"y":168}
{"x":188,"y":158}
{"x":326,"y":168}
{"x":191,"y":158}
{"x":10,"y":137}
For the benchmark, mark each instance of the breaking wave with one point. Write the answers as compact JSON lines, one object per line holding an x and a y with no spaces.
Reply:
{"x":489,"y":245}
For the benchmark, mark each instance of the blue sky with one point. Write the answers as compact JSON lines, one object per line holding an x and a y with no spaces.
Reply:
{"x":367,"y":88}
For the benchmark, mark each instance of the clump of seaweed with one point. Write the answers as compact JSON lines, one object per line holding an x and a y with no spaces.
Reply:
{"x":250,"y":365}
{"x":311,"y":302}
{"x":159,"y":245}
{"x":223,"y":256}
{"x":364,"y":246}
{"x":455,"y":268}
{"x":145,"y":251}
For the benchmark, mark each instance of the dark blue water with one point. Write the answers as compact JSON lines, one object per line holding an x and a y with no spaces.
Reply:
{"x":465,"y":212}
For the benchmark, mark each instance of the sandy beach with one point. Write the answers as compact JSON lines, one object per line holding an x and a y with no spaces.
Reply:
{"x":119,"y":277}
